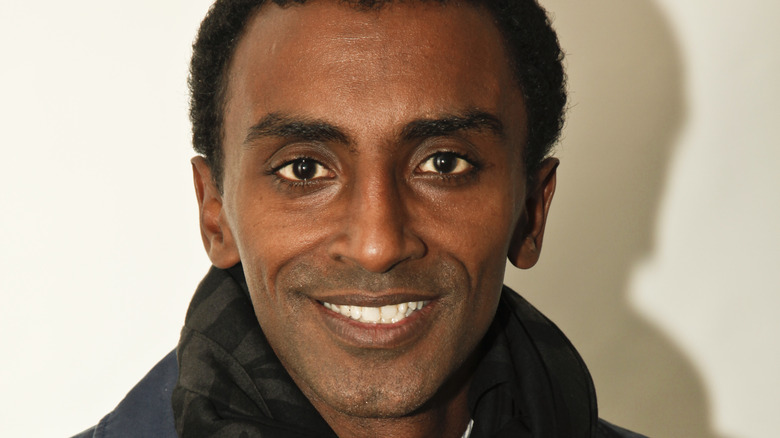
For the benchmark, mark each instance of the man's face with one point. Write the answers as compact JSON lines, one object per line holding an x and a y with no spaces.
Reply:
{"x":373,"y":181}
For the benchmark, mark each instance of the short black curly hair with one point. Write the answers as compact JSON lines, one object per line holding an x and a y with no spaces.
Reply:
{"x":534,"y":51}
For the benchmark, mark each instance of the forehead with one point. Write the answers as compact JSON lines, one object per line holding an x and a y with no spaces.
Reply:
{"x":368,"y":68}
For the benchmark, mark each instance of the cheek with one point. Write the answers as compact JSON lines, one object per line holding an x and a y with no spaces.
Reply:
{"x":474,"y":227}
{"x":268,"y":238}
{"x":271,"y":229}
{"x":475,"y":233}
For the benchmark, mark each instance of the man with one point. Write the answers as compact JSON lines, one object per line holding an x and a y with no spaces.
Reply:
{"x":365,"y":170}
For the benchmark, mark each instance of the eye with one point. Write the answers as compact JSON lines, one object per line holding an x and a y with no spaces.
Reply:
{"x":303,"y":169}
{"x":446,"y":163}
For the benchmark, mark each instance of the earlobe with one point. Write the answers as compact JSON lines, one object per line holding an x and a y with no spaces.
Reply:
{"x":526,"y":245}
{"x":214,"y":229}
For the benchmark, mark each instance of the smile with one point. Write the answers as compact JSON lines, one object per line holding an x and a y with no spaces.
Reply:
{"x":378,"y":315}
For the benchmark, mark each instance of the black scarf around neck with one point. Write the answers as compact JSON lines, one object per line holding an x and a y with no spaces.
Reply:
{"x":530,"y":382}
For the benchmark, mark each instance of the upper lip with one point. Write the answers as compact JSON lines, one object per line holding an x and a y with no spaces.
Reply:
{"x":373,"y":300}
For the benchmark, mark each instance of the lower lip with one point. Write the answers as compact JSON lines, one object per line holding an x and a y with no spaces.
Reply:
{"x":377,"y":336}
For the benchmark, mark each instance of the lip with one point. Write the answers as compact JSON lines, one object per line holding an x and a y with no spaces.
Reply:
{"x":372,"y":300}
{"x":361,"y":335}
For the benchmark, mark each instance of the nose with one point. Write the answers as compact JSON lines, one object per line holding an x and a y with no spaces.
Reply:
{"x":377,"y":233}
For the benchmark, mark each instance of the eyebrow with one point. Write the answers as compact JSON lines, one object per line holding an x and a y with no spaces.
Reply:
{"x":449,"y":124}
{"x":287,"y":126}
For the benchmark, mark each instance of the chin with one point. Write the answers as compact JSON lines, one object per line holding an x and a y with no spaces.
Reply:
{"x":379,"y":403}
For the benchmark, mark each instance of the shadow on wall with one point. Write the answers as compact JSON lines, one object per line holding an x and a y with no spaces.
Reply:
{"x":627,"y":107}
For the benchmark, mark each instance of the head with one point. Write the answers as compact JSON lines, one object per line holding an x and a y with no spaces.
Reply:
{"x":371,"y":166}
{"x":532,"y":49}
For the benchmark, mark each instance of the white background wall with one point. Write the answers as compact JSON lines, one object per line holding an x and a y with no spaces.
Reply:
{"x":659,"y":259}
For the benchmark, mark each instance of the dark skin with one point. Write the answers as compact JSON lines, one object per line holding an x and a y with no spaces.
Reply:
{"x":375,"y":159}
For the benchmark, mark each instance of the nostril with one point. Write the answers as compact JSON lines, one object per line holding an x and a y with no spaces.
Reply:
{"x":377,"y":246}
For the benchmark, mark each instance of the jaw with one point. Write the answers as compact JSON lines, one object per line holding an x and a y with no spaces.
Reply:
{"x":350,"y":368}
{"x":385,"y":393}
{"x":358,"y":370}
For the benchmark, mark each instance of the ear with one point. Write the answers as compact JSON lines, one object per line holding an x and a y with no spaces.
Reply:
{"x":526,"y":244}
{"x":214,"y":228}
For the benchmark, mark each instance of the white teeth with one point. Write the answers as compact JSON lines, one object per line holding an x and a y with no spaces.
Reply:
{"x":378,"y":315}
{"x":355,"y":312}
{"x":370,"y":314}
{"x":388,"y":313}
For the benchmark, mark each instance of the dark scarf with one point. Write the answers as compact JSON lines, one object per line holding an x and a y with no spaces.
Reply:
{"x":530,"y":382}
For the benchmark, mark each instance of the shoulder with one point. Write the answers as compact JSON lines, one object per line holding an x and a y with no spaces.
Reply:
{"x":146,"y":410}
{"x":564,"y":363}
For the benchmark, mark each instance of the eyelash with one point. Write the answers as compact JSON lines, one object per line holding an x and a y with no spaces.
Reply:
{"x":476,"y":166}
{"x":290,"y":183}
{"x":444,"y":177}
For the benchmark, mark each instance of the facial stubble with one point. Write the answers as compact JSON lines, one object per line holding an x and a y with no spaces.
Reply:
{"x":383,"y":383}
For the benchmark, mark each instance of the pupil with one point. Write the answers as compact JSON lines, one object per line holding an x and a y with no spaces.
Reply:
{"x":304,"y":169}
{"x":444,"y":163}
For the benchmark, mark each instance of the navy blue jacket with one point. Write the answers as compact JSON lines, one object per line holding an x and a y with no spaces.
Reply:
{"x":146,"y":410}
